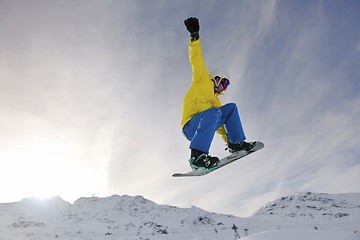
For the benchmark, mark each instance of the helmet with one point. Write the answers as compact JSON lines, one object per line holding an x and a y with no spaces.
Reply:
{"x":219,"y":73}
{"x":222,"y":75}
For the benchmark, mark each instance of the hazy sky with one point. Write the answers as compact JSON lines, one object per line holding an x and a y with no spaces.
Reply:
{"x":91,"y":94}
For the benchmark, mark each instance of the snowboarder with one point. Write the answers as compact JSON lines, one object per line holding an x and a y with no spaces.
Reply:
{"x":202,"y":112}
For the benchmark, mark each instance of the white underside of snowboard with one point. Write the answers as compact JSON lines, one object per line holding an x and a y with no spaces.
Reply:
{"x":223,"y":162}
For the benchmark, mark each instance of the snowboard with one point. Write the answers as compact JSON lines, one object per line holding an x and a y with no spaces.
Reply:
{"x":223,"y":162}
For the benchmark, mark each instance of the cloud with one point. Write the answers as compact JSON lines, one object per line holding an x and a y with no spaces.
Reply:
{"x":357,"y":46}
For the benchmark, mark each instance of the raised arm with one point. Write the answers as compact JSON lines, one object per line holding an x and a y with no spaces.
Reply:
{"x":198,"y":68}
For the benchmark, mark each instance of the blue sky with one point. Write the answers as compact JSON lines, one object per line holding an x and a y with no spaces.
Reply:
{"x":91,"y":94}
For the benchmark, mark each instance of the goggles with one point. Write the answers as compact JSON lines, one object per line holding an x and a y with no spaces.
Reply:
{"x":224,"y":81}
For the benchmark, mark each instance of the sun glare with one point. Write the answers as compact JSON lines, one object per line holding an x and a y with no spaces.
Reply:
{"x":43,"y":169}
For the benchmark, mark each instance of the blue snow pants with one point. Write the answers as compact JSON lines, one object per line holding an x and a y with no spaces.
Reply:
{"x":200,"y":129}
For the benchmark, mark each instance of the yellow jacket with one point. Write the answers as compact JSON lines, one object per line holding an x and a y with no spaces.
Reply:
{"x":201,"y":95}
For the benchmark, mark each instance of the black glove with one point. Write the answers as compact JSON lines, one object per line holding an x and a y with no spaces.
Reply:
{"x":192,"y":25}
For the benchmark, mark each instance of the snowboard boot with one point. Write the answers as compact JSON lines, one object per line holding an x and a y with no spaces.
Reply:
{"x":203,"y":161}
{"x":243,"y":146}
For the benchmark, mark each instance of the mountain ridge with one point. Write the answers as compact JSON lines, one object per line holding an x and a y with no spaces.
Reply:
{"x":127,"y":217}
{"x":311,"y":205}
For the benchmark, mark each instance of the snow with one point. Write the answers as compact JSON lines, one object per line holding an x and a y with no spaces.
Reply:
{"x":303,"y":235}
{"x":300,"y":216}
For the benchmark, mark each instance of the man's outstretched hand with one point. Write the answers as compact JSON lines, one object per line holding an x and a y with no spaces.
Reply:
{"x":193,"y":26}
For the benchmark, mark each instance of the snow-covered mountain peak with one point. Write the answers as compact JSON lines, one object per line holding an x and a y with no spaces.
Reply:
{"x":34,"y":206}
{"x":314,"y":205}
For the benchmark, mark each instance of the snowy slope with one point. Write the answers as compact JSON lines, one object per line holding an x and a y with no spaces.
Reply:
{"x":302,"y":216}
{"x":303,"y":235}
{"x":314,"y":205}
